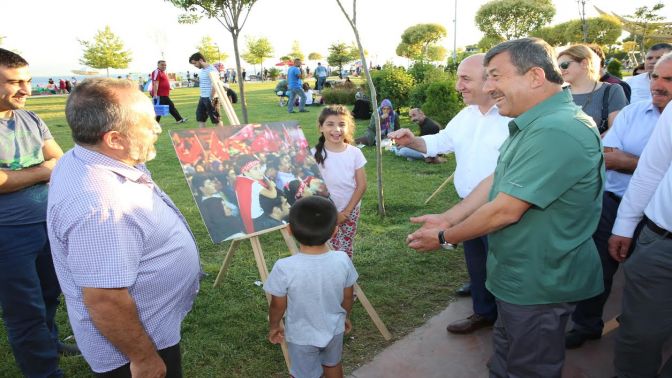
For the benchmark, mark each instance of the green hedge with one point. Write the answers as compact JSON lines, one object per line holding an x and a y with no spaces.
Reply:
{"x":339,"y":95}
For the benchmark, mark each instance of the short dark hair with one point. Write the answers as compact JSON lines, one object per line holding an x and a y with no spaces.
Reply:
{"x":11,"y":59}
{"x":527,"y":53}
{"x":196,"y":57}
{"x":93,"y":108}
{"x":313,"y":220}
{"x":161,"y":61}
{"x":661,"y":46}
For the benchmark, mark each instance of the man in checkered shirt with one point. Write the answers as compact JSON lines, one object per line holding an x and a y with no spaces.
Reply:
{"x":124,"y":255}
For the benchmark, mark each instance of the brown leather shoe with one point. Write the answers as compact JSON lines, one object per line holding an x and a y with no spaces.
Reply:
{"x":469,"y":325}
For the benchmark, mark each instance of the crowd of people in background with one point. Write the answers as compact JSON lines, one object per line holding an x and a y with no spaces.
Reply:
{"x":561,"y":180}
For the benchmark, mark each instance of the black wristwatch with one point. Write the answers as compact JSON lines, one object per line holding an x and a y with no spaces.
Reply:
{"x":444,"y":244}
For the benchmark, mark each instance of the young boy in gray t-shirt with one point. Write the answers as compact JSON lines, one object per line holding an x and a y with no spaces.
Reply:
{"x":315,"y":287}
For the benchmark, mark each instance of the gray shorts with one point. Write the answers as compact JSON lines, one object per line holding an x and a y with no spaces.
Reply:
{"x":307,"y":360}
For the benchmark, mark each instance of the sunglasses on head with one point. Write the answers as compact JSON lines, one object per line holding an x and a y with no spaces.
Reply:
{"x":565,"y":65}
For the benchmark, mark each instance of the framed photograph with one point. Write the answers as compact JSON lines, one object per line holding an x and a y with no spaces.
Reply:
{"x":245,"y":178}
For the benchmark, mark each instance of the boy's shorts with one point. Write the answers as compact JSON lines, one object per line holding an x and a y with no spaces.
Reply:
{"x":307,"y":360}
{"x":205,"y":110}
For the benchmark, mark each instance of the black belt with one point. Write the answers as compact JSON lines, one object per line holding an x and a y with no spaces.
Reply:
{"x":658,"y":230}
{"x":613,"y":196}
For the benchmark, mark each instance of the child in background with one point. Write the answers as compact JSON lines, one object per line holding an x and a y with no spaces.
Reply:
{"x":320,"y":284}
{"x":342,"y":168}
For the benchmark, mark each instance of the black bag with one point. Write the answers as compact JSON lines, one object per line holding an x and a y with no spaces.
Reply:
{"x":362,"y":109}
{"x":604,"y":122}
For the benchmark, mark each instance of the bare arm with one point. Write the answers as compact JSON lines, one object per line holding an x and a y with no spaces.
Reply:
{"x":618,"y":160}
{"x":360,"y":188}
{"x":611,"y":117}
{"x":269,"y":192}
{"x":114,"y":313}
{"x":276,"y":310}
{"x":155,"y":88}
{"x":405,"y":138}
{"x":12,"y":181}
{"x":477,"y":198}
{"x":348,"y":299}
{"x":504,"y":210}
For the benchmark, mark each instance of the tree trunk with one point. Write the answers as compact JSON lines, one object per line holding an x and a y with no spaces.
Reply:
{"x":241,"y":85}
{"x":374,"y":103}
{"x":108,"y":71}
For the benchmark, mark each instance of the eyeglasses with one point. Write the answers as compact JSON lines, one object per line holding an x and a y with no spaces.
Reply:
{"x":565,"y":65}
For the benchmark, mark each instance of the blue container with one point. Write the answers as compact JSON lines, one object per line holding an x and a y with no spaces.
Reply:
{"x":160,"y":110}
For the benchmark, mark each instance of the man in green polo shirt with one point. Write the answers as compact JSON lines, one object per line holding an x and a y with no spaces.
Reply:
{"x":540,"y":208}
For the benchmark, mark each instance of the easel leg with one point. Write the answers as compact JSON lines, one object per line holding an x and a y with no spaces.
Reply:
{"x":263,"y":273}
{"x":372,"y":313}
{"x":440,"y":188}
{"x":227,"y":261}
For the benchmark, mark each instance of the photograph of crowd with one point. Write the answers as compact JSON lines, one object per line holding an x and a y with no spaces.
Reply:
{"x":245,"y":178}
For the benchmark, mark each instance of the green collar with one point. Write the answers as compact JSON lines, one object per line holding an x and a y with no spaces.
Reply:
{"x":545,"y":107}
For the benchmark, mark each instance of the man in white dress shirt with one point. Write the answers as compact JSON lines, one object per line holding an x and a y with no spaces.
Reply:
{"x":640,"y":84}
{"x":646,"y":323}
{"x":475,"y":135}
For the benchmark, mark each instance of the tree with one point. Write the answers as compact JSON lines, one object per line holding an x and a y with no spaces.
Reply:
{"x":489,"y":41}
{"x":210,"y":50}
{"x":511,"y":19}
{"x":341,"y":54}
{"x":374,"y":101}
{"x":419,"y":42}
{"x":645,"y":22}
{"x":314,"y":56}
{"x":105,"y":51}
{"x":232,"y":14}
{"x":296,"y":51}
{"x":258,"y":49}
{"x":599,"y":30}
{"x":554,"y":35}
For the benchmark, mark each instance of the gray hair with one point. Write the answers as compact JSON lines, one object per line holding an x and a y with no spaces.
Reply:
{"x":94,"y":108}
{"x":527,"y":53}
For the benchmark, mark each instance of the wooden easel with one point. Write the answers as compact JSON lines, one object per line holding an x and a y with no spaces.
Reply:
{"x":289,"y":239}
{"x":440,"y":188}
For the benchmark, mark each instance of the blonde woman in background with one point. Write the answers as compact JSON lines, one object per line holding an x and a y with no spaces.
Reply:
{"x":580,"y":68}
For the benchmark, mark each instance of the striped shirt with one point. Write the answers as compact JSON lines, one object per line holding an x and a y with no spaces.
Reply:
{"x":110,"y":226}
{"x":205,"y":84}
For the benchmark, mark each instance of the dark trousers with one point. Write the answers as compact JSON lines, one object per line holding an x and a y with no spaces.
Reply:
{"x":171,"y":357}
{"x":165,"y":100}
{"x":529,"y":340}
{"x":29,"y":292}
{"x":587,"y":317}
{"x":646,"y":320}
{"x":475,"y":255}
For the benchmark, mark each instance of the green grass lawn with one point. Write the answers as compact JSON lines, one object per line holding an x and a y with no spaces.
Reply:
{"x":225,"y":333}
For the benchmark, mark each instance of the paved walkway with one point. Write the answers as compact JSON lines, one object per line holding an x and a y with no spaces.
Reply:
{"x":430,"y":351}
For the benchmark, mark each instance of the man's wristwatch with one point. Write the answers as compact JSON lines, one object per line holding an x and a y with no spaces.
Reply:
{"x":444,"y":244}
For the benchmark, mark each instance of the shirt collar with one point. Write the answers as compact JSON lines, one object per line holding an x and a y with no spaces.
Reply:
{"x":547,"y":106}
{"x":139,"y":173}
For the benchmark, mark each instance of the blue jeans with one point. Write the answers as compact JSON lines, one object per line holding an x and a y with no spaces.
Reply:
{"x":409,"y":153}
{"x":320,"y":82}
{"x":293,"y":93}
{"x":29,"y":292}
{"x":476,"y":255}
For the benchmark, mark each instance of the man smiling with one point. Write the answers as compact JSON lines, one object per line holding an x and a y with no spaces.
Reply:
{"x":539,"y":209}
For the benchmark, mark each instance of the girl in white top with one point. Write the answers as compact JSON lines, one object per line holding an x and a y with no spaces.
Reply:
{"x":342,"y":167}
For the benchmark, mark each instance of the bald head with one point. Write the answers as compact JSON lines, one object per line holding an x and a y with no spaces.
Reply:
{"x":470,"y":80}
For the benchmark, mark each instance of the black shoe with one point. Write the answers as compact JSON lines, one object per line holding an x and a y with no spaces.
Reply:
{"x":574,"y":338}
{"x":464,"y":290}
{"x":68,"y":350}
{"x":469,"y":325}
{"x":304,"y":111}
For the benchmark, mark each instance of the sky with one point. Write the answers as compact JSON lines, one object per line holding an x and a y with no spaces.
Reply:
{"x":46,"y":32}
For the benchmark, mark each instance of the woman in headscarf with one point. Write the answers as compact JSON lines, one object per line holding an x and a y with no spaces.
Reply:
{"x":389,"y":121}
